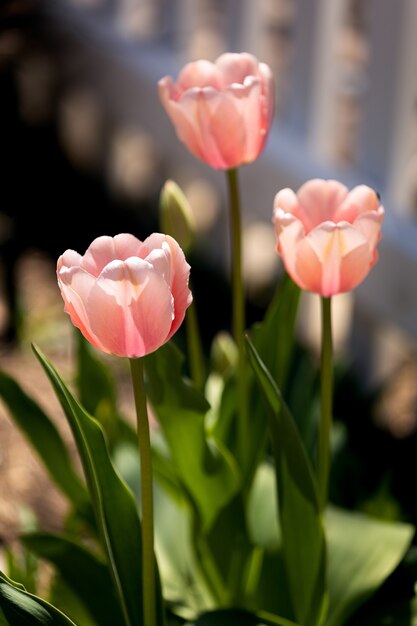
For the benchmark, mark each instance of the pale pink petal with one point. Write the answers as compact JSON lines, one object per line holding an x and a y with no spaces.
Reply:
{"x":104,"y":250}
{"x":75,"y":285}
{"x":360,"y":200}
{"x":160,"y":259}
{"x":180,"y":273}
{"x":307,"y":271}
{"x":223,"y":126}
{"x":235,"y":67}
{"x":331,"y":243}
{"x":130,"y":308}
{"x":354,"y":267}
{"x":181,"y":293}
{"x":268,"y":96}
{"x":290,"y":233}
{"x":286,"y":200}
{"x":246,"y":101}
{"x":200,"y":73}
{"x":369,"y":224}
{"x":319,"y":200}
{"x":70,"y":258}
{"x":168,"y":90}
{"x":184,"y":119}
{"x":125,"y":246}
{"x":201,"y":107}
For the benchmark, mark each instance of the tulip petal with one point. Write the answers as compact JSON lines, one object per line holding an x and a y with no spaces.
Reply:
{"x":369,"y":225}
{"x":180,"y":272}
{"x":184,"y":122}
{"x":332,"y":243}
{"x":362,"y":199}
{"x":287,"y":201}
{"x":318,"y":201}
{"x":290,"y":233}
{"x":104,"y":250}
{"x":200,"y":106}
{"x":75,"y":285}
{"x":130,"y":308}
{"x":235,"y":67}
{"x":268,"y":95}
{"x":70,"y":258}
{"x":200,"y":73}
{"x":246,"y":100}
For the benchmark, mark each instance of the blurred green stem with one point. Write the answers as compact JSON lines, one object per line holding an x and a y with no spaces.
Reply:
{"x":326,"y":394}
{"x":238,"y":308}
{"x":195,"y":351}
{"x":144,"y":443}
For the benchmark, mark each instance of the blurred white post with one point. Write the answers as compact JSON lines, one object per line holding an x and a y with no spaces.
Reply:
{"x":298,"y":107}
{"x":201,"y":29}
{"x":391,"y":91}
{"x":325,"y":76}
{"x":402,"y":165}
{"x":251,"y":26}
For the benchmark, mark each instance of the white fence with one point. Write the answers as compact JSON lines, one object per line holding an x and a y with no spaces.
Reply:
{"x":346,"y":74}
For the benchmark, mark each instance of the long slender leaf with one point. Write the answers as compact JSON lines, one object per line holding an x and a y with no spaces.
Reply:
{"x":85,"y":574}
{"x":97,"y":393}
{"x":299,"y":514}
{"x":24,"y":609}
{"x":46,"y":440}
{"x":209,"y":473}
{"x":273,"y":338}
{"x":114,"y":505}
{"x":237,"y":617}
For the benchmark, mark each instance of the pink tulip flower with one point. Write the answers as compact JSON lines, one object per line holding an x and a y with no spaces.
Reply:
{"x":221,"y":111}
{"x":127,"y":297}
{"x":327,"y":235}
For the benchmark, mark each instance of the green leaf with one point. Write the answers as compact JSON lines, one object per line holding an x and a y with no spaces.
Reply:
{"x":97,"y":393}
{"x":299,"y":513}
{"x":263,"y":509}
{"x":209,"y":473}
{"x":273,"y":338}
{"x":114,"y":505}
{"x":63,"y":597}
{"x":24,"y":609}
{"x":84,"y":573}
{"x":46,"y":440}
{"x":95,"y":382}
{"x":363,"y":552}
{"x":237,"y":617}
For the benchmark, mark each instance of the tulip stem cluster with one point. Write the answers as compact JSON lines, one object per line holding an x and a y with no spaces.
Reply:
{"x":238,"y":304}
{"x":144,"y":443}
{"x":326,"y":402}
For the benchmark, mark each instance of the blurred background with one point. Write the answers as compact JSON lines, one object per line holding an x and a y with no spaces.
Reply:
{"x":86,"y":147}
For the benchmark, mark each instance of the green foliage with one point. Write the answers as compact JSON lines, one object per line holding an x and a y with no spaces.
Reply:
{"x":45,"y":438}
{"x":19,"y":608}
{"x":242,"y":545}
{"x":114,"y":507}
{"x":303,"y":540}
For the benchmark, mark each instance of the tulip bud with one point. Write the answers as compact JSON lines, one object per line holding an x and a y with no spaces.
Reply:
{"x":176,"y":215}
{"x":223,"y":352}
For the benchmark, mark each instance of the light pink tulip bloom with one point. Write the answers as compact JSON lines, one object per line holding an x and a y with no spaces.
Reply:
{"x":221,"y":111}
{"x":327,"y":235}
{"x":127,"y":297}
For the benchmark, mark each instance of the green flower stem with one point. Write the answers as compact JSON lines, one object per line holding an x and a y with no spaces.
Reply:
{"x":195,"y":350}
{"x":144,"y":442}
{"x":238,"y":308}
{"x":325,"y":427}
